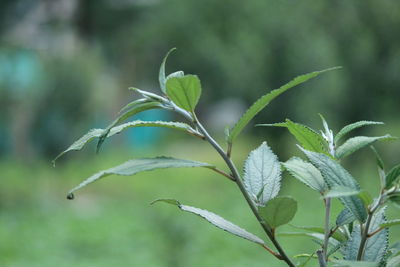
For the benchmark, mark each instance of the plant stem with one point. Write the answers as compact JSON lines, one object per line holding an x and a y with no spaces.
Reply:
{"x":327,"y":229}
{"x":238,"y":180}
{"x":222,"y":173}
{"x":321,"y":258}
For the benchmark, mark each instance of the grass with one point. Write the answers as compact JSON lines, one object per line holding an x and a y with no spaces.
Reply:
{"x":111,"y":223}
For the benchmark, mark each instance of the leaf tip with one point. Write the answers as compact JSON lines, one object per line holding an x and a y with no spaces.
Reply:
{"x":70,"y":196}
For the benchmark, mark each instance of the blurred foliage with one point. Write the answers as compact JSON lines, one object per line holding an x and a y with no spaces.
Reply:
{"x":89,"y":52}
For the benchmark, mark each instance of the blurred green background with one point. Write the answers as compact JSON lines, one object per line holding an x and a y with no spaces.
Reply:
{"x":65,"y":66}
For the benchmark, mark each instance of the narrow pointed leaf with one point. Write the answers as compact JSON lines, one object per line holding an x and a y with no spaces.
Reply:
{"x":217,"y":221}
{"x":393,"y":176}
{"x":335,"y":175}
{"x":184,"y":91}
{"x":318,"y":236}
{"x":348,"y":128}
{"x":379,"y":160}
{"x":341,"y":191}
{"x":262,"y":174}
{"x":131,"y":111}
{"x":96,"y":133}
{"x":279,"y":211}
{"x":135,"y":166}
{"x":306,"y":173}
{"x":390,"y":223}
{"x":336,"y":235}
{"x":307,"y":137}
{"x":263,"y":101}
{"x":356,"y":143}
{"x":345,"y":217}
{"x":161,"y":75}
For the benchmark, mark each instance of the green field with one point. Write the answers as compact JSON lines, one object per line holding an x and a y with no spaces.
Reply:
{"x":111,"y":223}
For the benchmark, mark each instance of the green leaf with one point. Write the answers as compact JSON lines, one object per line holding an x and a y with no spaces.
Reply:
{"x":336,"y":235}
{"x":184,"y":91}
{"x":129,"y":112}
{"x":340,"y":191}
{"x":379,"y":160}
{"x":135,"y":166}
{"x":161,"y":75}
{"x":376,"y":246}
{"x":279,"y":211}
{"x":348,"y":128}
{"x":356,"y":143}
{"x":216,"y":220}
{"x":393,"y":176}
{"x":335,"y":175}
{"x":306,"y":173}
{"x":345,"y":217}
{"x":394,"y":262}
{"x":95,"y":133}
{"x":308,"y":138}
{"x":263,"y":101}
{"x":178,"y":74}
{"x":344,"y":263}
{"x":390,"y":223}
{"x":366,"y":198}
{"x":262,"y":174}
{"x":318,"y":236}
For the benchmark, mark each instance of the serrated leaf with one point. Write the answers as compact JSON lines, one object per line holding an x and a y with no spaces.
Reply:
{"x":135,"y":166}
{"x":279,"y":211}
{"x":345,"y":217}
{"x":348,"y":128}
{"x":394,"y":262}
{"x":217,"y":221}
{"x":131,"y":111}
{"x":184,"y":91}
{"x":96,"y":133}
{"x":161,"y":75}
{"x":306,"y":173}
{"x":336,"y":235}
{"x":340,"y":191}
{"x":345,"y":263}
{"x":336,"y":175}
{"x":307,"y":137}
{"x":393,"y":176}
{"x":356,"y":143}
{"x":263,"y":101}
{"x":376,"y":246}
{"x":390,"y":223}
{"x":262,"y":174}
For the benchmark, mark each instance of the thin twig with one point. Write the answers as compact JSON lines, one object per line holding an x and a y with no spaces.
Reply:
{"x":327,"y":229}
{"x":230,"y":177}
{"x":272,"y":252}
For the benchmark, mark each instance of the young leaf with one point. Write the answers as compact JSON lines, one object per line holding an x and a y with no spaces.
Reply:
{"x":308,"y":138}
{"x":306,"y":173}
{"x":178,"y":74}
{"x":262,"y":174}
{"x":336,"y":235}
{"x":341,"y":191}
{"x":348,"y":128}
{"x":390,"y":223}
{"x":336,"y":175}
{"x":345,"y":217}
{"x":95,"y":133}
{"x":376,"y":246}
{"x":131,"y":111}
{"x":161,"y":75}
{"x":379,"y":160}
{"x":393,"y":176}
{"x":184,"y":91}
{"x":263,"y":101}
{"x":356,"y":143}
{"x":135,"y":166}
{"x":279,"y":211}
{"x":216,"y":220}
